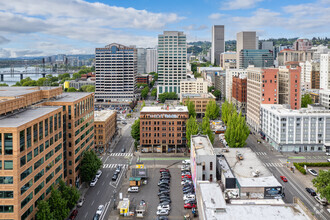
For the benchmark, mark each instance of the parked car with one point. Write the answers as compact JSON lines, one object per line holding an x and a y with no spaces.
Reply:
{"x":185,"y":173}
{"x":313,"y":172}
{"x":186,"y":162}
{"x":123,"y":150}
{"x":321,"y":201}
{"x":164,"y":191}
{"x":164,"y":203}
{"x":327,"y":153}
{"x":81,"y":202}
{"x":165,"y":200}
{"x":114,"y":177}
{"x":168,"y":207}
{"x":164,"y":197}
{"x":162,"y":218}
{"x":162,"y":212}
{"x":100,"y":210}
{"x":98,"y":174}
{"x":284,"y":179}
{"x":189,"y":206}
{"x":164,"y":170}
{"x":118,"y":169}
{"x":190,"y":196}
{"x":186,"y":176}
{"x":142,"y":202}
{"x":133,"y":189}
{"x":185,"y":181}
{"x":74,"y":214}
{"x":93,"y":182}
{"x":96,"y":217}
{"x":311,"y":191}
{"x":162,"y":182}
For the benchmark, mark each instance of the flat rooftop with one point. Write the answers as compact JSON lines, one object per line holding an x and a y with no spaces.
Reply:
{"x":21,"y":118}
{"x":225,"y":167}
{"x":103,"y":115}
{"x":71,"y":96}
{"x":268,"y":181}
{"x":245,"y":167}
{"x":283,"y":110}
{"x":164,"y":109}
{"x":10,"y":91}
{"x":212,"y":197}
{"x":202,"y":145}
{"x":199,"y":95}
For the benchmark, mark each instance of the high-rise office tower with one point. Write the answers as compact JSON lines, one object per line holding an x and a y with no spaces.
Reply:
{"x":172,"y":58}
{"x":325,"y":71}
{"x":218,"y":43}
{"x":246,"y":40}
{"x":141,"y":60}
{"x":115,"y":70}
{"x":152,"y":61}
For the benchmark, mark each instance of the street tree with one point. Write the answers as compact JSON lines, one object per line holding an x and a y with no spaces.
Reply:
{"x":58,"y":205}
{"x":212,"y":110}
{"x":69,"y":193}
{"x":322,"y":184}
{"x":211,"y":88}
{"x":154,"y":92}
{"x":217,"y":94}
{"x":206,"y":129}
{"x":227,"y":109}
{"x":135,"y":131}
{"x":192,"y":128}
{"x":144,"y":92}
{"x":72,"y":89}
{"x":237,"y":131}
{"x":89,"y":166}
{"x":43,"y":212}
{"x":306,"y":99}
{"x":191,"y":108}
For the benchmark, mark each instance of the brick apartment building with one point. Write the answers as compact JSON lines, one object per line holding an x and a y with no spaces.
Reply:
{"x":105,"y":123}
{"x":200,"y":101}
{"x":142,"y":78}
{"x":239,"y":88}
{"x":43,"y":134}
{"x":163,"y":129}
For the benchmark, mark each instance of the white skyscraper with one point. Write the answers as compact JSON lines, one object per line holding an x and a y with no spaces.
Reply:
{"x":172,"y":58}
{"x":152,"y":60}
{"x":218,"y":43}
{"x":325,"y":71}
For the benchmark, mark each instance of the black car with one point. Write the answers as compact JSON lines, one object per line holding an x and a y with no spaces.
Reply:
{"x":164,"y":186}
{"x":162,"y":218}
{"x":114,"y":177}
{"x":187,"y":187}
{"x":164,"y":197}
{"x":123,"y":150}
{"x":163,"y":183}
{"x":311,"y":191}
{"x":188,"y":191}
{"x":164,"y":191}
{"x":165,"y":200}
{"x":164,"y":203}
{"x":164,"y":180}
{"x":187,"y":184}
{"x":165,"y":173}
{"x":163,"y":194}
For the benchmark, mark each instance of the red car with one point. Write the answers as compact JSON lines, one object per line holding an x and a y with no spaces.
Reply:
{"x":163,"y":170}
{"x":186,"y":176}
{"x":284,"y":178}
{"x":74,"y":214}
{"x":189,"y":206}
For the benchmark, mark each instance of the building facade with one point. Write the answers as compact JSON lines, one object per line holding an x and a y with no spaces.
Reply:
{"x":172,"y":58}
{"x":245,"y":40}
{"x":163,"y":129}
{"x":152,"y":60}
{"x":325,"y":71}
{"x":142,"y":78}
{"x":193,"y":86}
{"x":257,"y":58}
{"x":218,"y":43}
{"x":115,"y":69}
{"x":262,"y":88}
{"x":202,"y":159}
{"x":105,"y":125}
{"x":304,"y":130}
{"x":141,"y":60}
{"x":228,"y":60}
{"x":230,"y":73}
{"x":220,"y":83}
{"x":239,"y":93}
{"x":288,"y":55}
{"x":325,"y":98}
{"x":78,"y":84}
{"x":289,"y":86}
{"x":302,"y":44}
{"x":200,"y":101}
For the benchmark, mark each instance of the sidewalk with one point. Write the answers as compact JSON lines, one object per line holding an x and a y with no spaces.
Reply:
{"x":139,"y":154}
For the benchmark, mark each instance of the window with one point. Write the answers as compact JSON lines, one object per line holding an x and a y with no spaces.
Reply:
{"x":46,"y":127}
{"x":38,"y":163}
{"x":58,"y":147}
{"x":8,"y":143}
{"x":58,"y":168}
{"x":204,"y":167}
{"x":59,"y":157}
{"x":6,"y":208}
{"x":211,"y":165}
{"x":211,"y":177}
{"x":27,"y":200}
{"x":39,"y":175}
{"x":41,"y":132}
{"x":23,"y":160}
{"x":8,"y":164}
{"x":49,"y":154}
{"x":26,"y":187}
{"x":38,"y":188}
{"x":28,"y":137}
{"x":6,"y":194}
{"x":35,"y":133}
{"x":0,"y":143}
{"x":22,"y":140}
{"x":29,"y":156}
{"x":36,"y":151}
{"x":26,"y":173}
{"x":49,"y":177}
{"x":6,"y":180}
{"x":41,"y":148}
{"x":46,"y":144}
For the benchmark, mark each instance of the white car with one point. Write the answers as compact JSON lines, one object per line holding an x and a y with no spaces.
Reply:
{"x":187,"y":162}
{"x":327,"y":153}
{"x":166,"y":207}
{"x":93,"y":182}
{"x":321,"y":201}
{"x":100,"y":209}
{"x":188,"y":197}
{"x":98,"y":174}
{"x":185,"y":181}
{"x":313,"y":172}
{"x":162,"y":212}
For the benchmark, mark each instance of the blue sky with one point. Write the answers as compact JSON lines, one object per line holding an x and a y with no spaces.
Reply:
{"x":37,"y":28}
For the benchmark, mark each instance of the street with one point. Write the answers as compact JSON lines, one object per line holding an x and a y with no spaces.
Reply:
{"x":276,"y":163}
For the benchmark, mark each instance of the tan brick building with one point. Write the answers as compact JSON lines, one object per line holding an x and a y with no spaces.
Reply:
{"x":200,"y":101}
{"x":34,"y":149}
{"x":239,"y":88}
{"x":105,"y":123}
{"x":163,"y":129}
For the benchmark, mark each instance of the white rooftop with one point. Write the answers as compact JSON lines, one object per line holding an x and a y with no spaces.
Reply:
{"x":202,"y":145}
{"x":210,"y":68}
{"x":164,"y":109}
{"x":268,"y":181}
{"x":282,"y":110}
{"x":102,"y":115}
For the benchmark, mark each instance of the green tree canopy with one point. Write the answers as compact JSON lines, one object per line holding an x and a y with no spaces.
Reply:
{"x":167,"y":96}
{"x":144,"y":92}
{"x":192,"y":128}
{"x":88,"y":88}
{"x":191,"y":108}
{"x":211,"y":88}
{"x":58,"y":205}
{"x":212,"y":110}
{"x":206,"y":129}
{"x":227,"y":110}
{"x":306,"y":99}
{"x":3,"y":84}
{"x":135,"y":131}
{"x":70,"y":194}
{"x":322,"y":184}
{"x":154,"y":92}
{"x":89,"y":165}
{"x":72,"y":89}
{"x":237,"y":131}
{"x":217,"y":94}
{"x":44,"y":212}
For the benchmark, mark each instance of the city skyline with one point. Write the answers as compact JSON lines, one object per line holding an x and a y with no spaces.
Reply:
{"x":32,"y":28}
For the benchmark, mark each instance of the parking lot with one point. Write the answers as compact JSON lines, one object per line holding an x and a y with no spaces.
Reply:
{"x":149,"y":193}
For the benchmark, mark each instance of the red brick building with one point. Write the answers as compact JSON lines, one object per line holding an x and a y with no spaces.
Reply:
{"x":289,"y":86}
{"x":239,"y":88}
{"x":269,"y":86}
{"x":142,"y":78}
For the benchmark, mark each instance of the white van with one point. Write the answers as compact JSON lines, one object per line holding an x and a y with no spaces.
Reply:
{"x":133,"y":189}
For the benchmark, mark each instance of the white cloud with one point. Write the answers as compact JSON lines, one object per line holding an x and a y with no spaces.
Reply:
{"x":193,"y":27}
{"x":215,"y":16}
{"x":239,"y":4}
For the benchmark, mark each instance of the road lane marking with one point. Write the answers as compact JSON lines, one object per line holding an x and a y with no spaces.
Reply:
{"x":86,"y":215}
{"x":98,"y":192}
{"x":93,"y":202}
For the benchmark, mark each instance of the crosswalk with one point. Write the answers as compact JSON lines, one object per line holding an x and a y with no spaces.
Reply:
{"x":113,"y":166}
{"x":317,"y":157}
{"x":273,"y":165}
{"x":121,"y":154}
{"x":261,"y":153}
